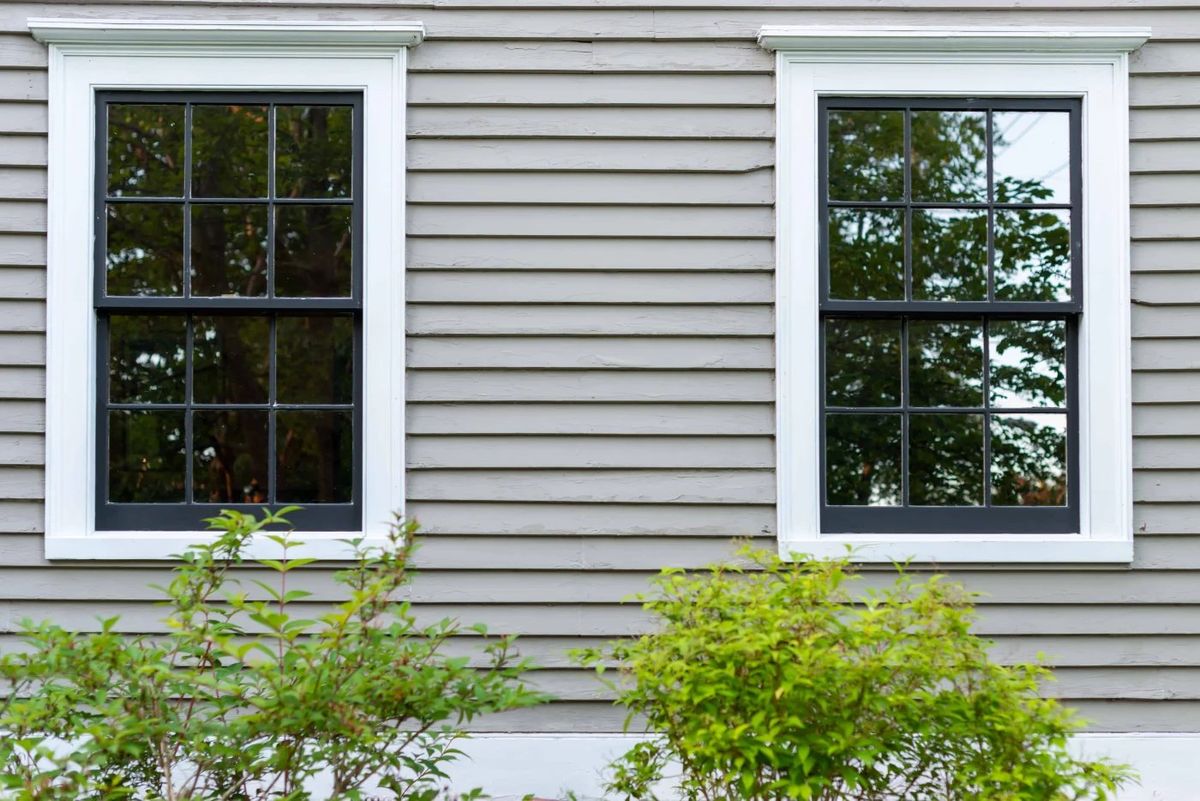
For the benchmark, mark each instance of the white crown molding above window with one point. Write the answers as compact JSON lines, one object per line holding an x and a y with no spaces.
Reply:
{"x":926,"y":39}
{"x":224,"y":32}
{"x":87,"y":56}
{"x":1087,"y":63}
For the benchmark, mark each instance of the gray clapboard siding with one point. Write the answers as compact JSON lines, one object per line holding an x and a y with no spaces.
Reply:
{"x":582,"y":253}
{"x":1163,"y":125}
{"x":719,"y":156}
{"x":1167,"y":288}
{"x":1165,"y":256}
{"x":585,"y":287}
{"x":20,"y":417}
{"x":1165,"y":386}
{"x":23,"y":85}
{"x":19,"y":517}
{"x":20,"y":316}
{"x":594,"y":56}
{"x":1166,"y":354}
{"x":595,"y":486}
{"x":1162,"y":190}
{"x":22,"y":216}
{"x":22,"y":150}
{"x":21,"y":483}
{"x":23,"y":349}
{"x":22,"y":250}
{"x":23,"y":118}
{"x":521,"y":220}
{"x":475,"y":452}
{"x":22,"y":183}
{"x":22,"y":382}
{"x":1167,"y":419}
{"x":740,"y":353}
{"x":22,"y":449}
{"x":587,"y":385}
{"x":638,"y":189}
{"x":634,"y":122}
{"x":602,"y":418}
{"x":608,"y":320}
{"x":671,"y":89}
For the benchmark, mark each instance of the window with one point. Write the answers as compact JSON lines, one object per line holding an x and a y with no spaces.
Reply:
{"x":228,"y":297}
{"x":225,"y":294}
{"x":949,"y":305}
{"x":952,"y":294}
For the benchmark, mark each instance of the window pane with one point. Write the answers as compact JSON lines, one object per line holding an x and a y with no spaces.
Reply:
{"x":316,"y":457}
{"x":229,"y":449}
{"x":945,"y":459}
{"x":313,"y":151}
{"x":862,"y":362}
{"x":949,"y":254}
{"x":862,"y":459}
{"x":145,"y":150}
{"x":1033,"y":255}
{"x":314,"y":360}
{"x":866,"y":155}
{"x":949,"y":156}
{"x":144,"y":254}
{"x":1031,"y":156}
{"x":145,"y":457}
{"x":945,"y":363}
{"x":312,"y":251}
{"x":229,"y":250}
{"x":229,"y":151}
{"x":1028,"y":363}
{"x":231,"y":359}
{"x":1029,"y":460}
{"x":866,"y":254}
{"x":146,"y":358}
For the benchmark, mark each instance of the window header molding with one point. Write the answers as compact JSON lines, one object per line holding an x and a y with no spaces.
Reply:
{"x":926,"y":39}
{"x":192,"y":33}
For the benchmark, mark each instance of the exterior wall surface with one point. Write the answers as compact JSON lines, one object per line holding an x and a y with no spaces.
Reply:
{"x":590,"y":256}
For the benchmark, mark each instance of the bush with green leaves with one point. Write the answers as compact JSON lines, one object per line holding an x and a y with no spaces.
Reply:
{"x":785,"y":680}
{"x":245,"y":697}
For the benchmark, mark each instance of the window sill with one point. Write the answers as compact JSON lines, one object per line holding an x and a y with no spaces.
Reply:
{"x":1012,"y":549}
{"x":168,"y":545}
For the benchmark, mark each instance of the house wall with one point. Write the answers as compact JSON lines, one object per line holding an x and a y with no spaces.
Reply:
{"x":590,"y":332}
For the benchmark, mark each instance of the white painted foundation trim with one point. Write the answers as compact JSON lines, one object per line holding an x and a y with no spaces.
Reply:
{"x":1086,"y":63}
{"x":508,"y":766}
{"x":91,"y":55}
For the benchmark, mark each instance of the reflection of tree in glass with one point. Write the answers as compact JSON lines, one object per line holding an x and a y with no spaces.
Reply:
{"x":945,"y":456}
{"x":945,"y":363}
{"x":863,"y":459}
{"x":949,"y":156}
{"x":866,"y":254}
{"x":1029,"y":458}
{"x":145,"y":150}
{"x":145,"y":456}
{"x":313,"y":151}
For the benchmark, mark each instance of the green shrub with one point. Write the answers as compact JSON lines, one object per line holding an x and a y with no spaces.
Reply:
{"x":783,"y":682}
{"x":243,"y":698}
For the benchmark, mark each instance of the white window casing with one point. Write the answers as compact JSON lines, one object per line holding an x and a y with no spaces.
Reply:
{"x":91,"y":55}
{"x":1086,"y":63}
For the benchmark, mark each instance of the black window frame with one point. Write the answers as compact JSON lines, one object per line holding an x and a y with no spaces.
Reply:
{"x":188,"y":515}
{"x":985,"y":518}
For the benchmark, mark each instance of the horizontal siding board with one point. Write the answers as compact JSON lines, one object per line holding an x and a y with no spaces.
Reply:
{"x":595,"y":486}
{"x":22,"y":150}
{"x":1159,"y":256}
{"x":22,"y":250}
{"x":20,"y":50}
{"x":486,"y":89}
{"x":22,"y":349}
{"x":21,"y":383}
{"x":23,"y":216}
{"x":22,"y":283}
{"x":1173,"y":386}
{"x":1172,"y":190}
{"x":23,"y":118}
{"x":512,"y":518}
{"x":607,"y":154}
{"x":608,"y":320}
{"x":1169,"y":518}
{"x":596,"y":418}
{"x":1179,"y":419}
{"x":494,"y":286}
{"x":22,"y":417}
{"x":749,"y":353}
{"x":23,"y":85}
{"x":20,"y":517}
{"x":628,"y":122}
{"x":1165,"y":57}
{"x":583,"y":253}
{"x":1165,"y":223}
{"x":1165,"y":321}
{"x":1167,"y":288}
{"x":1166,"y":354}
{"x":427,"y":452}
{"x":587,"y":385}
{"x":23,"y":450}
{"x":1165,"y":486}
{"x":22,"y":316}
{"x":1161,"y":91}
{"x":520,"y":220}
{"x":1159,"y":453}
{"x":593,"y":56}
{"x":756,"y":187}
{"x":21,"y":483}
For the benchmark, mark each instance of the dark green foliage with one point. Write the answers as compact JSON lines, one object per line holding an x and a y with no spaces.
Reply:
{"x":244,"y":698}
{"x":785,"y":682}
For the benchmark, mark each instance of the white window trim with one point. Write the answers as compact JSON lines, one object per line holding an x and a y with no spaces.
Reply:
{"x":1087,"y":63}
{"x":91,"y":55}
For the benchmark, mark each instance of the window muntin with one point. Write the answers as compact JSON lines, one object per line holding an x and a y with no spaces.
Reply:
{"x":228,"y":294}
{"x":950,"y":293}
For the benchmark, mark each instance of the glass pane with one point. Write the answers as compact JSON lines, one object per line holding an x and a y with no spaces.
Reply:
{"x":229,"y":250}
{"x":1028,"y":363}
{"x":1031,"y":156}
{"x":949,"y":254}
{"x":314,"y":360}
{"x":231,"y":359}
{"x":145,"y":150}
{"x":866,"y":155}
{"x":862,"y":362}
{"x":945,"y":459}
{"x":866,"y":254}
{"x":1029,"y":460}
{"x":945,"y":363}
{"x":313,"y":151}
{"x":1033,"y":255}
{"x":949,"y":156}
{"x":144,"y":253}
{"x":146,"y":358}
{"x":229,"y":151}
{"x":229,"y":449}
{"x":312,"y":251}
{"x":316,"y":457}
{"x":145,"y":457}
{"x":862,"y":459}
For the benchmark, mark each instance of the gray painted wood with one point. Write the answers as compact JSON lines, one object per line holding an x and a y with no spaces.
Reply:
{"x":591,"y":194}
